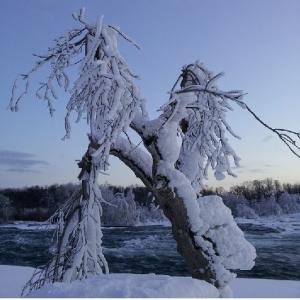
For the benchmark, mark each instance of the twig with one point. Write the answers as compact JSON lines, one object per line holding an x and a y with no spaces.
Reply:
{"x":127,"y":38}
{"x":281,"y":133}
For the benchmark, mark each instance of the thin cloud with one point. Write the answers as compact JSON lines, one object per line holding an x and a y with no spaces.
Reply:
{"x":248,"y":168}
{"x":19,"y":170}
{"x":269,"y":166}
{"x":256,"y":170}
{"x":267,"y":138}
{"x":17,"y":161}
{"x":16,"y":154}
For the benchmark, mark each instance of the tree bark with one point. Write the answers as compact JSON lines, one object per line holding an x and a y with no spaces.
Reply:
{"x":196,"y":260}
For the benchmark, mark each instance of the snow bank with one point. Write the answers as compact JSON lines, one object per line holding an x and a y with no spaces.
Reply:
{"x":131,"y":286}
{"x":13,"y":279}
{"x":265,"y":288}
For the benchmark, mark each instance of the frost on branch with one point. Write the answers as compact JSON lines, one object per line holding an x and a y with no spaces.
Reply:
{"x":60,"y":57}
{"x":203,"y":129}
{"x":105,"y":93}
{"x":78,"y":247}
{"x":106,"y":96}
{"x":187,"y":139}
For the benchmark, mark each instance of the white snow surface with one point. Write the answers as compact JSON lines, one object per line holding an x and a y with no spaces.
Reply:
{"x":13,"y":278}
{"x":265,"y":288}
{"x":130,"y":286}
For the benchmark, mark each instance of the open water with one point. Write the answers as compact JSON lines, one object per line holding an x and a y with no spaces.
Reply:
{"x":151,"y":249}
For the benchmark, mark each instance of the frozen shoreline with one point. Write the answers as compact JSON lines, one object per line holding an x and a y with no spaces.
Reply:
{"x":285,"y":223}
{"x":35,"y":225}
{"x":28,"y":225}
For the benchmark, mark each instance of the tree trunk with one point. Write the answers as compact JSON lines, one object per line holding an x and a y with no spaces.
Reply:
{"x":196,"y":260}
{"x":174,"y":209}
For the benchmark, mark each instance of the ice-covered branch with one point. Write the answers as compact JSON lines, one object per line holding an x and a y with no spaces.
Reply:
{"x":59,"y":57}
{"x":191,"y":83}
{"x":186,"y":139}
{"x":105,"y":93}
{"x":139,"y":161}
{"x":203,"y":124}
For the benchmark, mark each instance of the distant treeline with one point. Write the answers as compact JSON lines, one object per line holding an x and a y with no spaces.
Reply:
{"x":38,"y":203}
{"x":133,"y":204}
{"x":256,"y":198}
{"x":257,"y":189}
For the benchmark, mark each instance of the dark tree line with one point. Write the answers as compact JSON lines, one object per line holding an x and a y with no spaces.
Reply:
{"x":257,"y":189}
{"x":38,"y":203}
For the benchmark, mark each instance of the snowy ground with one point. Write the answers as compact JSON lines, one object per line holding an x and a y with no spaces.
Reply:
{"x":12,"y":279}
{"x":146,"y":285}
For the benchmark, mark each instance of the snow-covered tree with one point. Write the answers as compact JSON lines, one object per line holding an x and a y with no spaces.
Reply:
{"x":6,"y":208}
{"x":178,"y":148}
{"x":289,"y":203}
{"x":120,"y":208}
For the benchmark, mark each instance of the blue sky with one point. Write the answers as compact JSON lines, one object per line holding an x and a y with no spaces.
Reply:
{"x":256,"y":44}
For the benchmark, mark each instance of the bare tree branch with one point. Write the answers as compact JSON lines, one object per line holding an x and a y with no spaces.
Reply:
{"x":286,"y":135}
{"x":139,"y":161}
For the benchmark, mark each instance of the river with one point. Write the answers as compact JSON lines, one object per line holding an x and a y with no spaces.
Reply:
{"x":151,"y":249}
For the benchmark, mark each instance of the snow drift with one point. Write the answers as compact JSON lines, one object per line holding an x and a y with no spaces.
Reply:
{"x":13,"y":279}
{"x":130,"y":286}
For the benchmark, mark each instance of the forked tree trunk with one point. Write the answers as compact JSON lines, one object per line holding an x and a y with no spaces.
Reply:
{"x":173,"y":206}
